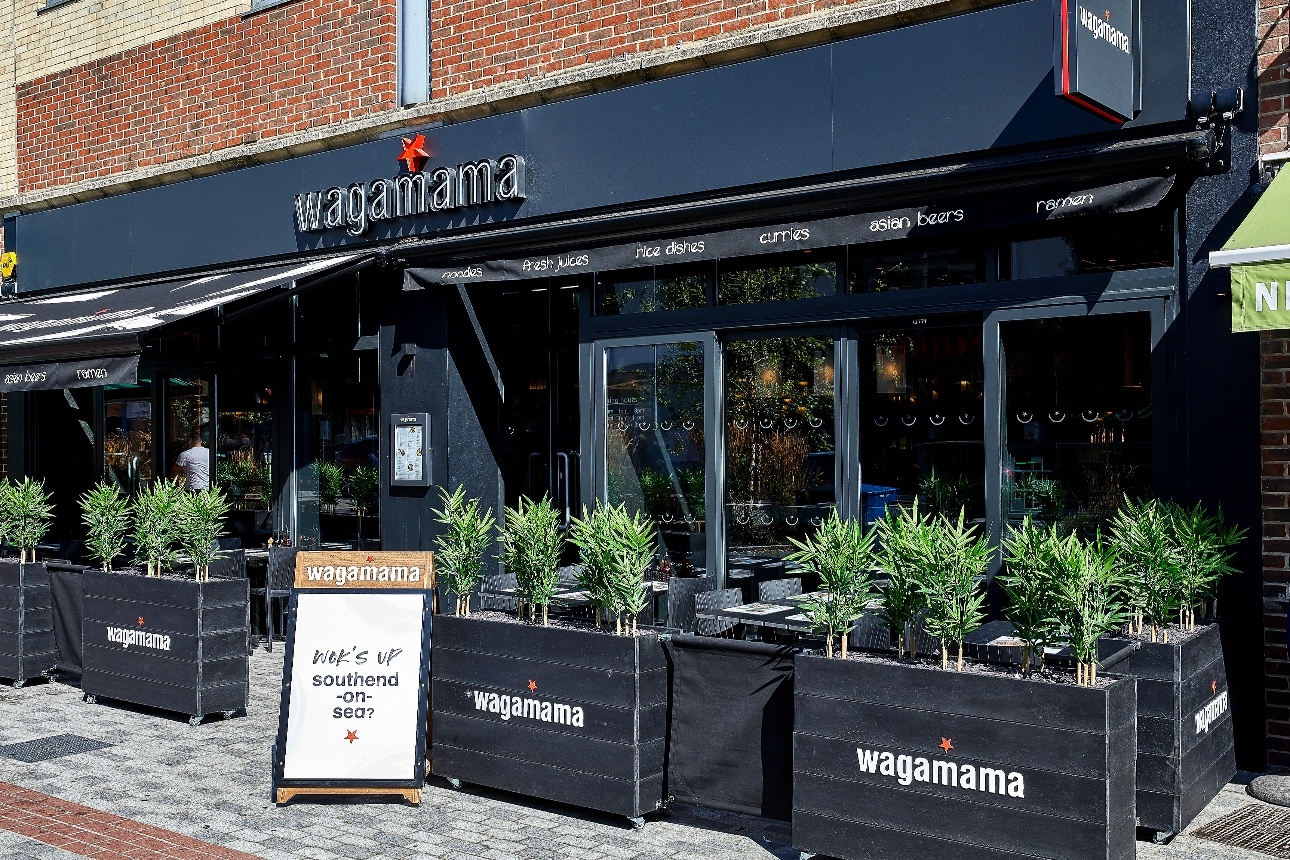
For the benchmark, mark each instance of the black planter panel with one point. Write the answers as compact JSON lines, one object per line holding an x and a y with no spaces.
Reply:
{"x":1066,"y":752}
{"x":1180,"y":768}
{"x":203,"y":671}
{"x":613,"y":762}
{"x":67,"y":588}
{"x":27,"y":648}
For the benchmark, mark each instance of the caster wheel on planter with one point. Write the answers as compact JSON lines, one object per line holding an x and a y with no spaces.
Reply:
{"x":638,"y":822}
{"x":454,"y":782}
{"x":195,"y":720}
{"x":91,"y":700}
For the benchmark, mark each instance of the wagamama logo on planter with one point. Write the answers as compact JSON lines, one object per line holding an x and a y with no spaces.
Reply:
{"x":907,"y":769}
{"x":1212,"y":710}
{"x":126,"y":636}
{"x":528,"y":708}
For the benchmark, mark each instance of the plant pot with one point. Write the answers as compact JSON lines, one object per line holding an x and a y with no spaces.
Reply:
{"x":1185,"y":739}
{"x":166,"y":642}
{"x":593,"y":719}
{"x":27,"y":648}
{"x":1056,"y":762}
{"x":67,"y":588}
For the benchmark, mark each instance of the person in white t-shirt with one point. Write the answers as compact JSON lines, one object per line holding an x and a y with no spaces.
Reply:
{"x":194,"y":465}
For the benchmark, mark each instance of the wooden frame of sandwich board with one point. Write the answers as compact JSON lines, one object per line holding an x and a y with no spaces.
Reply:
{"x":349,"y":575}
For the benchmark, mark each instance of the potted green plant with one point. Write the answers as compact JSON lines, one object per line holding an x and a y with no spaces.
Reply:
{"x":531,"y":548}
{"x":331,"y":483}
{"x":563,"y":711}
{"x":841,"y":556}
{"x":200,"y":522}
{"x":156,"y":637}
{"x":1035,"y":765}
{"x":364,"y":484}
{"x":106,"y":515}
{"x":27,"y":646}
{"x":1033,"y":557}
{"x":901,"y":537}
{"x":1174,"y":558}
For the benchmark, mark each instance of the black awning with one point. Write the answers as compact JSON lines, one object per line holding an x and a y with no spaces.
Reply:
{"x":92,"y":323}
{"x":112,"y":370}
{"x":930,"y":218}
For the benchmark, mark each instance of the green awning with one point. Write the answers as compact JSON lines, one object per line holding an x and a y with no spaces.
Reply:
{"x":1264,"y":235}
{"x":1261,"y":296}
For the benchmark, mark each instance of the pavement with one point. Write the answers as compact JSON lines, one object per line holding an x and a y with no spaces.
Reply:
{"x":165,"y":790}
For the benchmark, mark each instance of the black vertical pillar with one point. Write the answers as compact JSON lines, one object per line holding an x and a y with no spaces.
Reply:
{"x":1215,"y":457}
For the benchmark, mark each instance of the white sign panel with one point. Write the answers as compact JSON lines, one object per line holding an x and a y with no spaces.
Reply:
{"x":409,"y":453}
{"x":355,"y":681}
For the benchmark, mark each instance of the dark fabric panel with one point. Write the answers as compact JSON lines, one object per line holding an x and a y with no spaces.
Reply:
{"x":731,"y":732}
{"x":69,"y":611}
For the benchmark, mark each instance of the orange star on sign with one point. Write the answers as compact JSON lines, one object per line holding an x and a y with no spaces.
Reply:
{"x":532,"y":686}
{"x":1213,"y":686}
{"x":1108,"y":14}
{"x":414,"y":153}
{"x":351,"y":736}
{"x":140,"y":620}
{"x":945,"y":744}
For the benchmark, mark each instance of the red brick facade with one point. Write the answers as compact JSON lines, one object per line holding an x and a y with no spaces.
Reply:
{"x":302,"y":65}
{"x":482,"y":43}
{"x":1274,"y":75}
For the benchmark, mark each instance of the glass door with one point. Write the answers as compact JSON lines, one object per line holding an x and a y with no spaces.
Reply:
{"x":652,"y":447}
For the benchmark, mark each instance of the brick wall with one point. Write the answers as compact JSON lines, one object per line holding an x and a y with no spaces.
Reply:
{"x":1274,"y":433}
{"x":1274,"y":75}
{"x":308,"y":63}
{"x":482,"y":43}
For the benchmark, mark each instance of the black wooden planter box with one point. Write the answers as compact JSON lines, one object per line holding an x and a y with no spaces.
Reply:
{"x":27,"y":648}
{"x":1057,"y":763}
{"x":1185,"y":740}
{"x":585,"y":723}
{"x":167,"y":643}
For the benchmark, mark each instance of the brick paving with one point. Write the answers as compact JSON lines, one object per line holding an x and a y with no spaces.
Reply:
{"x":207,"y":788}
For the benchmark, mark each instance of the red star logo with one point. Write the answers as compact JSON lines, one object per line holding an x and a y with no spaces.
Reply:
{"x":945,"y":744}
{"x":1108,"y":14}
{"x":370,"y":559}
{"x":1213,"y":686}
{"x":351,"y":736}
{"x":532,"y":686}
{"x":414,"y":153}
{"x":140,"y":620}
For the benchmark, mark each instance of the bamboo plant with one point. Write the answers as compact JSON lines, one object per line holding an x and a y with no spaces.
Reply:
{"x":106,"y":515}
{"x":156,"y":523}
{"x":1034,"y":556}
{"x":616,"y":549}
{"x":898,"y":536}
{"x":200,"y":520}
{"x":955,"y":559}
{"x":363,"y":487}
{"x":1140,"y":538}
{"x":466,"y":537}
{"x":1201,"y":545}
{"x":531,"y":549}
{"x":331,"y":483}
{"x":842,"y":557}
{"x":1090,"y":595}
{"x":26,"y":510}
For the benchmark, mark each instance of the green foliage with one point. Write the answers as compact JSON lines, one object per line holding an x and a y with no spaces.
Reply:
{"x":1200,"y":544}
{"x":26,"y":510}
{"x":1035,"y":557}
{"x":1047,"y":494}
{"x":331,"y":483}
{"x":466,"y":536}
{"x":900,"y":536}
{"x":947,"y":496}
{"x":842,"y":557}
{"x":156,"y":523}
{"x":201,"y":519}
{"x":616,"y":548}
{"x":106,"y":515}
{"x":694,"y":485}
{"x":656,"y":490}
{"x":531,"y":548}
{"x":954,"y":559}
{"x":1090,"y":593}
{"x":363,"y":486}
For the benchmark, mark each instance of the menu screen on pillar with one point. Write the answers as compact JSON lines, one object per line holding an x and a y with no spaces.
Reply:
{"x":355,"y":684}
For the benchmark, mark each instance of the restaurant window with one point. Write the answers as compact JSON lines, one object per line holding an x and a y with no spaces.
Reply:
{"x":913,"y":267}
{"x":1095,"y":244}
{"x":188,"y":425}
{"x":780,"y":453}
{"x":654,"y":444}
{"x":658,"y":288}
{"x":343,"y":309}
{"x":922,"y":419}
{"x":244,"y":455}
{"x":127,"y":436}
{"x":1078,"y":422}
{"x":781,"y":277}
{"x":338,"y":452}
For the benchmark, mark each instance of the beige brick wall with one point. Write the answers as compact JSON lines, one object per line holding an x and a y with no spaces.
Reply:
{"x":35,"y":45}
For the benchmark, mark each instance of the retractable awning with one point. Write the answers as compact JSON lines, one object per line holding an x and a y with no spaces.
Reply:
{"x":92,"y":338}
{"x":1259,"y":256}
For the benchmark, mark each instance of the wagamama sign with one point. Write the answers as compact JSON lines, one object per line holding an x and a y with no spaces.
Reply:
{"x":417,"y":192}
